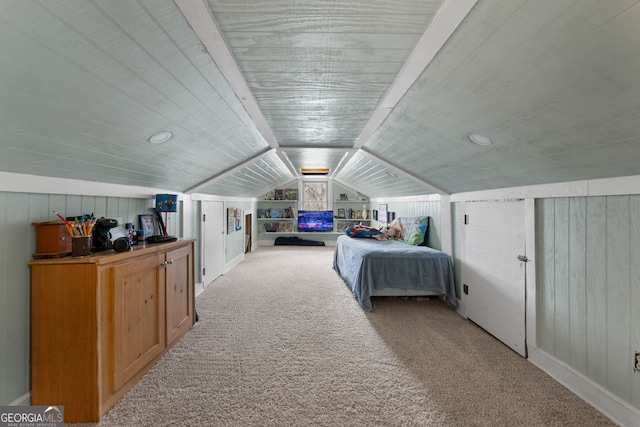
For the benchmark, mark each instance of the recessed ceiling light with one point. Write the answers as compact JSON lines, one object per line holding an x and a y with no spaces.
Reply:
{"x":478,"y":139}
{"x":160,"y":137}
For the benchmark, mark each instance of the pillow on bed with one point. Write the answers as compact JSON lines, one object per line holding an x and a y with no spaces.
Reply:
{"x":416,"y":230}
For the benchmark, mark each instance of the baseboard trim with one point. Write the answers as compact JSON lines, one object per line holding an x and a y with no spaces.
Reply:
{"x":199,"y":288}
{"x":237,"y":260}
{"x":619,"y":411}
{"x":24,"y":400}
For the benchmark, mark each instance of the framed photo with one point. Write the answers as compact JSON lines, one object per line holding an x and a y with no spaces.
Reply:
{"x":146,"y":225}
{"x":238,"y":219}
{"x":341,"y":213}
{"x":383,"y":215}
{"x":231,"y":220}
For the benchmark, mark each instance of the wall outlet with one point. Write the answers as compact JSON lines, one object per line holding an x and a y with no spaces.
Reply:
{"x":636,"y":362}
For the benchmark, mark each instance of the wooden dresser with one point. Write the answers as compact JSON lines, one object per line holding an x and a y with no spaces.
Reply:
{"x":99,"y":323}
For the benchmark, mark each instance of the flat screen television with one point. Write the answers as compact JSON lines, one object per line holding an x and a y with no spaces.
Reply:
{"x":315,"y":220}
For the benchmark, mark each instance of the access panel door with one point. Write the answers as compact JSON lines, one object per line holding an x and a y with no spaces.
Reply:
{"x":493,"y":277}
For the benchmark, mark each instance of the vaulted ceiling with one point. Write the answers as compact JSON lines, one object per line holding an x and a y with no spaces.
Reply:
{"x":385,"y":93}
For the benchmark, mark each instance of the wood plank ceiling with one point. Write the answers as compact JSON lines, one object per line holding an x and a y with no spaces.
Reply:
{"x":383,"y":93}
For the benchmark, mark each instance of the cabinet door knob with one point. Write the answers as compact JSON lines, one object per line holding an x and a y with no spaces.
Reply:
{"x":170,"y":261}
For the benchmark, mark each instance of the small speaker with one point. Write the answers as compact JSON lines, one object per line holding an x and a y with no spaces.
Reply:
{"x":121,"y":244}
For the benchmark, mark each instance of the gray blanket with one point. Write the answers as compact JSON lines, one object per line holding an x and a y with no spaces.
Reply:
{"x":369,"y":264}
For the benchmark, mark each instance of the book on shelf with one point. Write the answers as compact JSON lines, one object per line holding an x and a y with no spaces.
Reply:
{"x":290,"y":194}
{"x":285,"y":227}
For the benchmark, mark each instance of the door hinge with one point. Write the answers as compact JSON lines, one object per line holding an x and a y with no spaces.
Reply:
{"x":204,"y":218}
{"x":203,"y":271}
{"x":523,"y":258}
{"x":466,"y":220}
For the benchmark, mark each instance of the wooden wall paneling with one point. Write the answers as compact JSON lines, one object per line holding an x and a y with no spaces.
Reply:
{"x":596,"y":283}
{"x":418,"y":208}
{"x":634,"y":282}
{"x":561,"y":279}
{"x":88,"y":205}
{"x":112,"y":208}
{"x":545,"y":226}
{"x":577,"y":285}
{"x":57,"y":202}
{"x":618,"y":294}
{"x":74,"y":205}
{"x":100,"y":206}
{"x":6,"y":393}
{"x":456,"y":230}
{"x":16,"y":282}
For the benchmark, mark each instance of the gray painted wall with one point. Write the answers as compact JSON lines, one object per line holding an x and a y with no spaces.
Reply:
{"x":588,"y":290}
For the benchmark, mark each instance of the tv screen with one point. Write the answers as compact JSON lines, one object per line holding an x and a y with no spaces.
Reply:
{"x":315,"y":220}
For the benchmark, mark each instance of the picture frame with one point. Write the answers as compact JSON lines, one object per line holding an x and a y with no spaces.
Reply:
{"x":231,"y":220}
{"x":383,"y":215}
{"x":341,"y":213}
{"x":238,"y":219}
{"x":146,"y":225}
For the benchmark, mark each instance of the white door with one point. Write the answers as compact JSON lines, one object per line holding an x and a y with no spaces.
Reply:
{"x":492,"y":275}
{"x":212,"y":241}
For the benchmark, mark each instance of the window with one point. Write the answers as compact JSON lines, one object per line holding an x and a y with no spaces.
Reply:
{"x":315,"y":196}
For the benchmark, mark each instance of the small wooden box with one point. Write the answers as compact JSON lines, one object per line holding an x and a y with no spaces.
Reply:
{"x":52,"y":240}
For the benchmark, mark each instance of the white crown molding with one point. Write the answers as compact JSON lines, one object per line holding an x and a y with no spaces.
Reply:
{"x":24,"y":183}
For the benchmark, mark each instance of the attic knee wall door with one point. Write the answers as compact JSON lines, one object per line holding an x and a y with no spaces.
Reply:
{"x":212,"y":241}
{"x":494,"y":238}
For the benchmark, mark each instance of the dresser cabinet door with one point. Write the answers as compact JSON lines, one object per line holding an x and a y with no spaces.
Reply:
{"x":179,"y":292}
{"x":138,"y":316}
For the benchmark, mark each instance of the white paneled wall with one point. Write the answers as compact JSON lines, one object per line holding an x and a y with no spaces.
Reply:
{"x":419,"y":208}
{"x":589,"y":287}
{"x":17,"y":212}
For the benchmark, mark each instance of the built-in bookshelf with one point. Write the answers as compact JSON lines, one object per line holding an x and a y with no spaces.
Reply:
{"x":350,"y":212}
{"x":277,"y":216}
{"x":276,"y":212}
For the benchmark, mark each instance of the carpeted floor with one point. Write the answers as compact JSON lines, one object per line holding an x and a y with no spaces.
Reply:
{"x":281,"y":342}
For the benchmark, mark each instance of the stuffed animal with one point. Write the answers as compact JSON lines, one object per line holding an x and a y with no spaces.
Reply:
{"x":391,"y":232}
{"x":362,"y":231}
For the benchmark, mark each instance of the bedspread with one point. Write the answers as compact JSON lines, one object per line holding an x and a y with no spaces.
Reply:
{"x":369,"y":264}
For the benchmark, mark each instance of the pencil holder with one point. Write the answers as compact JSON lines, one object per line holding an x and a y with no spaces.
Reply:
{"x":81,"y":246}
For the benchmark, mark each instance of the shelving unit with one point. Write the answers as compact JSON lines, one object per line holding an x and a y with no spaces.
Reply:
{"x":349,"y":212}
{"x":270,"y":227}
{"x":277,"y":216}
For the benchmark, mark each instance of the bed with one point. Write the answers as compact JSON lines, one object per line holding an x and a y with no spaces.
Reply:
{"x":373,"y":267}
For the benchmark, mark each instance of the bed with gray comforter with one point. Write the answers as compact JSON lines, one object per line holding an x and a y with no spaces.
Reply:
{"x":371,"y":267}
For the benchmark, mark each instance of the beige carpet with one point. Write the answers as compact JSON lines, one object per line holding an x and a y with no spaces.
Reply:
{"x":281,"y":342}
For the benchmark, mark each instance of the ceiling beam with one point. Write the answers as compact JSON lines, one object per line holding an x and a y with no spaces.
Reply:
{"x":198,"y":15}
{"x":403,"y":172}
{"x":448,"y":18}
{"x":287,"y":162}
{"x":231,"y":171}
{"x":316,"y":149}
